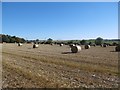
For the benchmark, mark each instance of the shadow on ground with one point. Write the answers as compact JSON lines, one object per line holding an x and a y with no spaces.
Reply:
{"x":66,"y":52}
{"x":114,"y":51}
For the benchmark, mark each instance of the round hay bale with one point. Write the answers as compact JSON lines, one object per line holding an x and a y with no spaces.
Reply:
{"x":61,"y":44}
{"x":117,"y":48}
{"x":87,"y":46}
{"x":101,"y":45}
{"x":51,"y":44}
{"x":35,"y":46}
{"x":19,"y":44}
{"x":94,"y":45}
{"x":71,"y":45}
{"x":75,"y":49}
{"x":104,"y":45}
{"x":108,"y":45}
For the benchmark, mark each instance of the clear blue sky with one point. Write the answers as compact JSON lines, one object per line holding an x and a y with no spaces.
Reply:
{"x":60,"y":21}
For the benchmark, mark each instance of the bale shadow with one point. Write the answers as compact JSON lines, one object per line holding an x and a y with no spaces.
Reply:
{"x":66,"y":53}
{"x":114,"y":51}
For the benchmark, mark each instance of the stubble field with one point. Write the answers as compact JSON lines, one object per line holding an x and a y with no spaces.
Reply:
{"x":54,"y":66}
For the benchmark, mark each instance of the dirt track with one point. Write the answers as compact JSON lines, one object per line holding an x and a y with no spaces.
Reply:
{"x":55,"y":66}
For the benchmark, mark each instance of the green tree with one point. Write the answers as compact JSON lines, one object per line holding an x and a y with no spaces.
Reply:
{"x":37,"y":40}
{"x":12,"y":40}
{"x":83,"y":42}
{"x":70,"y":42}
{"x":99,"y":41}
{"x":23,"y":40}
{"x":49,"y":41}
{"x":5,"y":39}
{"x":0,"y":38}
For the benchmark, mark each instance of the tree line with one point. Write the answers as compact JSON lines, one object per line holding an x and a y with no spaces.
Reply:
{"x":97,"y":41}
{"x":11,"y":39}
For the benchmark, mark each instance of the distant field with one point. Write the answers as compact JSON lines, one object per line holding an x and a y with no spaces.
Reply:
{"x":55,"y":66}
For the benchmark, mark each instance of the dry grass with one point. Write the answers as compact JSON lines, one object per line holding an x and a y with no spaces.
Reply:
{"x":56,"y":66}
